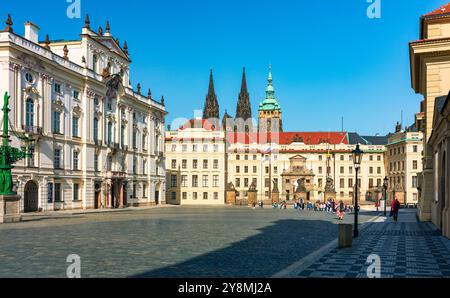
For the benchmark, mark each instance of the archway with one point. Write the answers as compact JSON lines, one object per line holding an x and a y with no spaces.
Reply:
{"x":157,"y":193}
{"x":31,"y":198}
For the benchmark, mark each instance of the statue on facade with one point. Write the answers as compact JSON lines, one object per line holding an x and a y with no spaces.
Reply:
{"x":252,"y":186}
{"x":112,"y":86}
{"x":329,"y":186}
{"x":275,"y":187}
{"x":301,"y":185}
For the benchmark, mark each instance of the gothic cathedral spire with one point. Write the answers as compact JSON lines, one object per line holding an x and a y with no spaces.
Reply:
{"x":244,"y":109}
{"x":211,"y":109}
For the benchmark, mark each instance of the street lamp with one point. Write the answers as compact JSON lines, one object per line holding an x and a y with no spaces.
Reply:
{"x":385,"y":186}
{"x":357,"y":158}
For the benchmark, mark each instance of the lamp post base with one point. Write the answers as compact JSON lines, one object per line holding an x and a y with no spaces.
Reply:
{"x":10,"y":209}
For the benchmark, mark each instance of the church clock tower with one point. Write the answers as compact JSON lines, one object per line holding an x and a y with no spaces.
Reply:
{"x":269,"y":110}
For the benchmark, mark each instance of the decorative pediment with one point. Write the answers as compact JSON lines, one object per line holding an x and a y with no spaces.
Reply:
{"x":31,"y":91}
{"x":109,"y":43}
{"x":111,"y":117}
{"x":77,"y":111}
{"x":98,"y":112}
{"x":297,"y":157}
{"x":58,"y":104}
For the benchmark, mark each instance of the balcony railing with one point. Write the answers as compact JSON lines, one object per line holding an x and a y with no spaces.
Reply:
{"x":98,"y":143}
{"x":32,"y":130}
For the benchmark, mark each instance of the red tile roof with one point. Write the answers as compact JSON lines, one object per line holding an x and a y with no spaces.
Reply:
{"x":198,"y":123}
{"x":440,"y":11}
{"x":286,"y":138}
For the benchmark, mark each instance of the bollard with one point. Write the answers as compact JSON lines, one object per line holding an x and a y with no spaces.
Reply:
{"x":345,"y":235}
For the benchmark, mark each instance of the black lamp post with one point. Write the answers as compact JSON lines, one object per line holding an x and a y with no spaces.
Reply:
{"x":385,"y":186}
{"x":357,"y":158}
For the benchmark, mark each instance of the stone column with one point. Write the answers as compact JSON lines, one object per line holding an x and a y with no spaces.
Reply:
{"x":121,"y":195}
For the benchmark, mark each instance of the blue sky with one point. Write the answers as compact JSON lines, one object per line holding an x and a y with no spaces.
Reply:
{"x":329,"y":59}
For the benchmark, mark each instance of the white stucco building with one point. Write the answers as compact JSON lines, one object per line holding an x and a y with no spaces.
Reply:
{"x":98,"y":143}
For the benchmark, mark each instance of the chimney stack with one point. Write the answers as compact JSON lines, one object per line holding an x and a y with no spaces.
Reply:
{"x":32,"y":32}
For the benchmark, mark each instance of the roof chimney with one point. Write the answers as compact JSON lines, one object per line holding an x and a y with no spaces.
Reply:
{"x":32,"y":32}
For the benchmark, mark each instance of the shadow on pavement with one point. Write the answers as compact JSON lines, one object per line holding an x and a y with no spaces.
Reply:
{"x":273,"y":249}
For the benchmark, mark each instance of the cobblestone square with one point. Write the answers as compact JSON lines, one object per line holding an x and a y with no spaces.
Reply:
{"x":167,"y":242}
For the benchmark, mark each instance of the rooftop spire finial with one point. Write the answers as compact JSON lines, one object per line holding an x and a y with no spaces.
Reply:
{"x":125,"y":47}
{"x":9,"y":24}
{"x":47,"y":42}
{"x":149,"y":93}
{"x":108,"y":27}
{"x":87,"y":22}
{"x":100,"y":30}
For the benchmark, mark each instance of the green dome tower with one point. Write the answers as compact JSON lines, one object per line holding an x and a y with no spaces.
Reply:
{"x":269,"y":109}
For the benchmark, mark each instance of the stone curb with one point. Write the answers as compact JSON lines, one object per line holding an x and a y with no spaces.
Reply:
{"x":295,"y":269}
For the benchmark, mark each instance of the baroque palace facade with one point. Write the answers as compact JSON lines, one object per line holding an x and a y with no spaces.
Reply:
{"x":97,"y":142}
{"x":207,"y":157}
{"x":430,"y":77}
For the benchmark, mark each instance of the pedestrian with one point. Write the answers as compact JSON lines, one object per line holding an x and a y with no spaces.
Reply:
{"x":395,"y":208}
{"x":341,"y":210}
{"x":254,"y":205}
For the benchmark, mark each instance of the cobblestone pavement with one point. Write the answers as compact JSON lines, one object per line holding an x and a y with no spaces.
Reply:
{"x":408,"y":249}
{"x":167,"y":242}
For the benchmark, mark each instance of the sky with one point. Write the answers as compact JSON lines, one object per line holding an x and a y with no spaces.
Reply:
{"x":329,"y":60}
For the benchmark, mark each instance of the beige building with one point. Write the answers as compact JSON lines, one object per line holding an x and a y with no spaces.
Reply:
{"x":98,"y":142}
{"x":440,"y":143}
{"x":322,"y":154}
{"x":266,"y":159}
{"x":404,"y":156}
{"x":430,"y":76}
{"x":196,"y":164}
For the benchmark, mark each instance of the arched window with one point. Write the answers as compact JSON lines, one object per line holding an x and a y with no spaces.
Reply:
{"x":29,"y":118}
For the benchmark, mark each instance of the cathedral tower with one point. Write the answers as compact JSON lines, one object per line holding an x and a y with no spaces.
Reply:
{"x":211,"y":109}
{"x":269,"y":110}
{"x":244,"y":109}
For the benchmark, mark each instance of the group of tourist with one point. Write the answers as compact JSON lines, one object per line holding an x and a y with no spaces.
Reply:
{"x":340,"y":209}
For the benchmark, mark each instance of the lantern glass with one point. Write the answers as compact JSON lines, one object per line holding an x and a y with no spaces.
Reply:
{"x":357,"y":156}
{"x":385,"y":182}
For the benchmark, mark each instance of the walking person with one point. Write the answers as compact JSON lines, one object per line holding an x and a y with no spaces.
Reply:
{"x":395,"y":208}
{"x":340,"y":210}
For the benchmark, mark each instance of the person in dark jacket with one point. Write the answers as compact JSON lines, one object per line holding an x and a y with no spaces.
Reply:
{"x":395,"y":208}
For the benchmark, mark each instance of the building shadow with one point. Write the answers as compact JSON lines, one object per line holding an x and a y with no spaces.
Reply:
{"x":273,"y":249}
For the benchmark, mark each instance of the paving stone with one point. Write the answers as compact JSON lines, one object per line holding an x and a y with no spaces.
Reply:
{"x":167,"y":242}
{"x":407,"y":249}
